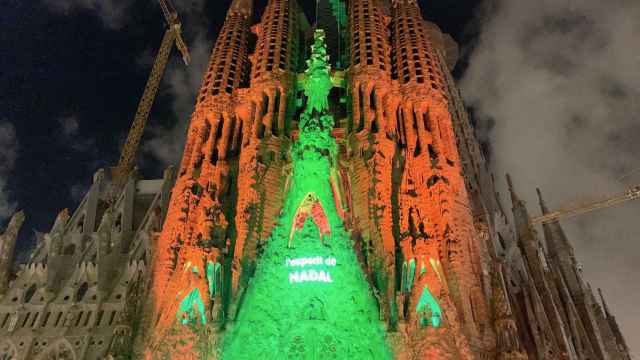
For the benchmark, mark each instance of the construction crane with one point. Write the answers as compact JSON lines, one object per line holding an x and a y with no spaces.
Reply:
{"x":172,"y":35}
{"x":630,"y":194}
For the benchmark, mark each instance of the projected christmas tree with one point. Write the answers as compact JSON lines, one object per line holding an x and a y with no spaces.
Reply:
{"x":309,"y":298}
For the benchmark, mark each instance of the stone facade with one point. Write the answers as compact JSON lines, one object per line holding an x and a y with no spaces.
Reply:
{"x":452,"y":277}
{"x":78,"y":295}
{"x":419,"y":201}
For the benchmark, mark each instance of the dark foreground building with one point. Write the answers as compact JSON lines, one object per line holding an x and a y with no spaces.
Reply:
{"x":332,"y":203}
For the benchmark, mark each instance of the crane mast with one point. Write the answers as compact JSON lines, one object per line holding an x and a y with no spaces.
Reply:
{"x":630,"y":194}
{"x":172,"y":35}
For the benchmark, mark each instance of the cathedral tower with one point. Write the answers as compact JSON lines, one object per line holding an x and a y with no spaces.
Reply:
{"x":333,"y":201}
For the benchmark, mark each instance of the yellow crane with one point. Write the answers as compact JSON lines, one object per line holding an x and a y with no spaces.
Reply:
{"x":172,"y":35}
{"x":630,"y":194}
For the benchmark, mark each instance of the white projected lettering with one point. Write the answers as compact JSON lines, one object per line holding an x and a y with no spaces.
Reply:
{"x":310,"y":275}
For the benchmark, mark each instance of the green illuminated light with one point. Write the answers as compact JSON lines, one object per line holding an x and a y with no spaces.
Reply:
{"x":428,"y":309}
{"x":190,"y":308}
{"x":213,"y":277}
{"x":317,"y":84}
{"x":309,"y":299}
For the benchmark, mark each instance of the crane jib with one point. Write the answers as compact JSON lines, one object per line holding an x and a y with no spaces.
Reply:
{"x":173,"y":35}
{"x":632,"y":193}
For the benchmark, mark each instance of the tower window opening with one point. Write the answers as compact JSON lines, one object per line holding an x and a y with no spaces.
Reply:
{"x":80,"y":225}
{"x":58,"y":319}
{"x":400,"y":126}
{"x":113,"y":316}
{"x":99,"y":319}
{"x":418,"y":150}
{"x":213,"y":160}
{"x":79,"y":318}
{"x":232,"y":136}
{"x":219,"y":128}
{"x":261,"y":130}
{"x":427,"y":122}
{"x":46,"y":319}
{"x":362,"y":109}
{"x":30,"y":292}
{"x":433,"y":155}
{"x":118,"y":224}
{"x":374,"y":126}
{"x":26,"y":318}
{"x":87,"y":318}
{"x":276,"y":114}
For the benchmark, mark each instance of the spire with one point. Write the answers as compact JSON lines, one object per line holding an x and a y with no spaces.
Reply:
{"x":61,"y":221}
{"x":543,"y":204}
{"x":520,"y":213}
{"x":619,"y":339}
{"x":231,"y":44}
{"x":604,"y":304}
{"x":508,"y":344}
{"x":561,"y":251}
{"x":514,"y":197}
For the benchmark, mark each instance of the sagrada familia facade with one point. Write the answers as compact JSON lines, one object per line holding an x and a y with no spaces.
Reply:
{"x":332,"y":202}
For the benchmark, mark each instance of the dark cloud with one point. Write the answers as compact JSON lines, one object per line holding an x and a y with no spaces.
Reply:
{"x":112,"y":12}
{"x":69,"y":126}
{"x":559,"y":81}
{"x":70,"y":136}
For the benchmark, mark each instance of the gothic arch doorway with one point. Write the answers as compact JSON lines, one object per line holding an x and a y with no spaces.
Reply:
{"x":8,"y":351}
{"x":59,"y":350}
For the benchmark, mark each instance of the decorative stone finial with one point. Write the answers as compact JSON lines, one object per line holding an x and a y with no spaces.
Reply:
{"x":15,"y":224}
{"x":317,"y":84}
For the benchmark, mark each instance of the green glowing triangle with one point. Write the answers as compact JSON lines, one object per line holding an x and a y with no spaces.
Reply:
{"x":309,"y":298}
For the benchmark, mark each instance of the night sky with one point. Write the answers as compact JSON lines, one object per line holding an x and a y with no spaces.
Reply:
{"x":72,"y":72}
